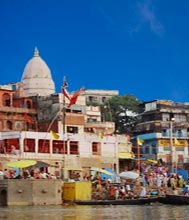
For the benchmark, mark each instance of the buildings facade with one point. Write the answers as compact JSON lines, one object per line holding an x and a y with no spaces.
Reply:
{"x":164,"y":129}
{"x":31,"y":112}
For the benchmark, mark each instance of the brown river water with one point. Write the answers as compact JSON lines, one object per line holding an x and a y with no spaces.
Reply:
{"x":146,"y":212}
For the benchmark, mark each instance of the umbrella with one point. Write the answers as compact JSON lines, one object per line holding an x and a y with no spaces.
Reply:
{"x":41,"y":164}
{"x":129,"y":175}
{"x":21,"y":163}
{"x":101,"y":171}
{"x":106,"y":176}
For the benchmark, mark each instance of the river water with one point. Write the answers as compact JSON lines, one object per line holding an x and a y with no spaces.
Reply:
{"x":146,"y":212}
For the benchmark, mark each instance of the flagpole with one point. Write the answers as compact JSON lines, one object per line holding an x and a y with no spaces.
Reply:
{"x":171,"y":144}
{"x":139,"y":143}
{"x":63,"y":123}
{"x":49,"y":127}
{"x":64,"y":111}
{"x":50,"y":155}
{"x":138,"y":155}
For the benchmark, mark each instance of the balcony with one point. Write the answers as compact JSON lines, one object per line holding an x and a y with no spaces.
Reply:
{"x":17,"y":110}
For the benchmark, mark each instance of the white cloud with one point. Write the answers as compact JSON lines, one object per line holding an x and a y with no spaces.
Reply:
{"x":147,"y":15}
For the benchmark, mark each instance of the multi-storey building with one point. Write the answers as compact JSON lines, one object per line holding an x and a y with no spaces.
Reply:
{"x":164,"y":131}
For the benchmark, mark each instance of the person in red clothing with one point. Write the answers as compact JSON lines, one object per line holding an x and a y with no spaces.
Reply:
{"x":112,"y":192}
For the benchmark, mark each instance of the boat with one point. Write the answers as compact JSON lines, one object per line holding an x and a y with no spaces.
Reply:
{"x":174,"y":199}
{"x":134,"y":201}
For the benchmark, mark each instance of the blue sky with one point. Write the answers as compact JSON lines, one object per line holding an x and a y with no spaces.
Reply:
{"x":139,"y":47}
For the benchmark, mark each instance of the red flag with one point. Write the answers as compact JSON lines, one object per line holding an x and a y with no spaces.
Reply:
{"x":73,"y":99}
{"x":65,"y":93}
{"x":28,"y":119}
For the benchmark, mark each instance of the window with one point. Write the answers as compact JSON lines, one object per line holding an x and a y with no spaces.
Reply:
{"x":90,"y":130}
{"x":103,"y":99}
{"x":60,"y":147}
{"x":29,"y":145}
{"x":164,"y":133}
{"x":28,"y":104}
{"x":43,"y":146}
{"x":6,"y":99}
{"x":180,"y":117}
{"x":154,"y":148}
{"x":96,"y":148}
{"x":12,"y":146}
{"x":179,"y":133}
{"x":180,"y":158}
{"x":14,"y":87}
{"x":165,"y":117}
{"x":93,"y":99}
{"x":74,"y":147}
{"x":9,"y":125}
{"x":150,"y":106}
{"x":73,"y":130}
{"x":2,"y":147}
{"x":91,"y":120}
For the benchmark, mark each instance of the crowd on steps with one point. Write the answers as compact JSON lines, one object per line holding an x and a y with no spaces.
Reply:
{"x":154,"y":180}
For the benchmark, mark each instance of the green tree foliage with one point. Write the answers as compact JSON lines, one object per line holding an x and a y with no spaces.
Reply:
{"x":123,"y":110}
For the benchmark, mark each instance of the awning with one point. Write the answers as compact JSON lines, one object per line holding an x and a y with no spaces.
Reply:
{"x":124,"y":155}
{"x":152,"y":161}
{"x":139,"y":159}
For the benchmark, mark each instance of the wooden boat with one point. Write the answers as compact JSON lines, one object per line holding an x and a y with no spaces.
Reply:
{"x":134,"y":201}
{"x":174,"y":199}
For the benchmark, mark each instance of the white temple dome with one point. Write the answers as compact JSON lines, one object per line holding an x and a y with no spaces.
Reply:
{"x":37,"y":79}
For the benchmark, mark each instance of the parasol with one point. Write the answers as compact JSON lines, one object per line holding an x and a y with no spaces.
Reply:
{"x":129,"y":175}
{"x":101,"y":171}
{"x":40,"y":164}
{"x":106,"y":176}
{"x":21,"y":163}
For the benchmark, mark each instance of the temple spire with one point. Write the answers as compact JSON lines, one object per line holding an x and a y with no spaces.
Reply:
{"x":36,"y":52}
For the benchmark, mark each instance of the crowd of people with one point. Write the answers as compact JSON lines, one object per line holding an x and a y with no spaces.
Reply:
{"x":26,"y":174}
{"x":153,"y":180}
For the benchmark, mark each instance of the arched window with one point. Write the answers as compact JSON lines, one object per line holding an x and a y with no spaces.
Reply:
{"x":28,"y":104}
{"x":9,"y":125}
{"x":6,"y":99}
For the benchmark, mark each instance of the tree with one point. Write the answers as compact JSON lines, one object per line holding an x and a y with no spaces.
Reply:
{"x":124,"y":111}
